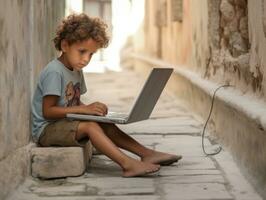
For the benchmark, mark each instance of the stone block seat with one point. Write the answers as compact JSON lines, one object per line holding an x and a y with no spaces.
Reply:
{"x":58,"y":162}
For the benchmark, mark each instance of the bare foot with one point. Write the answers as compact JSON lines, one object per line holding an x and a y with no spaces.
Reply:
{"x":161,"y":158}
{"x":138,"y":168}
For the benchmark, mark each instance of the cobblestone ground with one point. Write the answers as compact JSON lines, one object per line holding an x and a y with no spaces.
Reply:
{"x":171,"y":128}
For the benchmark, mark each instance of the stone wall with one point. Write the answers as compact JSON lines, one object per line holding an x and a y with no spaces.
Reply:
{"x":26,"y":29}
{"x":229,"y":53}
{"x":222,"y":39}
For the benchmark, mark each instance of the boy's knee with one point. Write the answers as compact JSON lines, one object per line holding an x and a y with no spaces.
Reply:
{"x":88,"y":125}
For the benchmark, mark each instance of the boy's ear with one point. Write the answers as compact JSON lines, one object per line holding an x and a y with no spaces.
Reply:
{"x":64,"y":45}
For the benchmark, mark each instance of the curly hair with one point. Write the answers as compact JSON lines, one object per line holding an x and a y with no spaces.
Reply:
{"x":80,"y":27}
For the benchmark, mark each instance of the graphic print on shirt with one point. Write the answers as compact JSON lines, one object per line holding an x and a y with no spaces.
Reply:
{"x":72,"y":94}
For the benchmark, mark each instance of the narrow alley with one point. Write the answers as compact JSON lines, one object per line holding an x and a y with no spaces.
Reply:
{"x":209,"y":44}
{"x":171,"y":128}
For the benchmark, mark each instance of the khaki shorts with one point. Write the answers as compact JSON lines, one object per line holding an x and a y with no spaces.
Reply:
{"x":61,"y":133}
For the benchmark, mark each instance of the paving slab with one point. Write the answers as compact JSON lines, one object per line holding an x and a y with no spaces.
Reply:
{"x":66,"y":190}
{"x":110,"y":186}
{"x":197,"y":191}
{"x":171,"y":171}
{"x":186,"y":179}
{"x":173,"y":125}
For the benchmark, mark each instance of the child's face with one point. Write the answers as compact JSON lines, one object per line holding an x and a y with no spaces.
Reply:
{"x":79,"y":54}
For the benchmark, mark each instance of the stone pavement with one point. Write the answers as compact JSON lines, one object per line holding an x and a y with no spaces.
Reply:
{"x":172,"y":128}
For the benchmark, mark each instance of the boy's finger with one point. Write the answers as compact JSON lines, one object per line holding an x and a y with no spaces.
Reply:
{"x":100,"y":111}
{"x":104,"y":108}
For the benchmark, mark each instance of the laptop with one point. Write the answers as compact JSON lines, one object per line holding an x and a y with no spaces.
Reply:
{"x":144,"y":103}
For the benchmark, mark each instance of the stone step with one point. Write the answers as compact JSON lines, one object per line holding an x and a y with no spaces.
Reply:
{"x":237,"y":120}
{"x":58,"y":162}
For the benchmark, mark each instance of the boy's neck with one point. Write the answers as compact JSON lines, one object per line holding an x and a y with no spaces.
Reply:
{"x":62,"y":58}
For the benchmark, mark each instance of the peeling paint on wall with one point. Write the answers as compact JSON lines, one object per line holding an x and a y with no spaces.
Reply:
{"x":231,"y":56}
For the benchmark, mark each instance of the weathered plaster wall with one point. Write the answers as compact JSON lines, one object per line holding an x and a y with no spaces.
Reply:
{"x":257,"y":38}
{"x":164,"y":38}
{"x":26,"y":29}
{"x":223,"y":40}
{"x":229,"y":56}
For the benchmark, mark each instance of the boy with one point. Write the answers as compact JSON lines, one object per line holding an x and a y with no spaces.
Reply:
{"x":58,"y":92}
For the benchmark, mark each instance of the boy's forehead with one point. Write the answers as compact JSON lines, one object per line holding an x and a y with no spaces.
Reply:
{"x":88,"y":44}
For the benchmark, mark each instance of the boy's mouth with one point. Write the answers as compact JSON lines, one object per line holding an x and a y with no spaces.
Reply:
{"x":82,"y":65}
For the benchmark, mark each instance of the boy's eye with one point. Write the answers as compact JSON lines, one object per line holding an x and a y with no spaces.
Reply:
{"x":82,"y":51}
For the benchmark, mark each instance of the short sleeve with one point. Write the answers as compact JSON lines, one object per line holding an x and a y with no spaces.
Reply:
{"x":83,"y":88}
{"x":52,"y":84}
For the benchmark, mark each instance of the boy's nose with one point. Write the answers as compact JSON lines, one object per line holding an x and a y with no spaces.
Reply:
{"x":86,"y":59}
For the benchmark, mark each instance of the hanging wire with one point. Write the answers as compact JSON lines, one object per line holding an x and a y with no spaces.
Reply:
{"x":203,"y":132}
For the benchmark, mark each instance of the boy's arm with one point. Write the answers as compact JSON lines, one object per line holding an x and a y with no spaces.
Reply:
{"x":52,"y":111}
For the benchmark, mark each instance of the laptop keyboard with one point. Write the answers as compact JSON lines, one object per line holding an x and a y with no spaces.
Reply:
{"x":117,"y":115}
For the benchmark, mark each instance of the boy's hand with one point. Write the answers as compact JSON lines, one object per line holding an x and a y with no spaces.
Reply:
{"x":96,"y":108}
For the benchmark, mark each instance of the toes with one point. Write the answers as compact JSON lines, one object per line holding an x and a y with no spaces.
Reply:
{"x":153,"y":169}
{"x":169,"y":159}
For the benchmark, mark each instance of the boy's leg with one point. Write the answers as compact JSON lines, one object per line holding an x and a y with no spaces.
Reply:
{"x":126,"y":142}
{"x":130,"y":166}
{"x":123,"y":140}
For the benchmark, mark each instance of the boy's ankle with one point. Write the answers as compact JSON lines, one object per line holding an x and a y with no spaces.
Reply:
{"x":147,"y":153}
{"x":125,"y":163}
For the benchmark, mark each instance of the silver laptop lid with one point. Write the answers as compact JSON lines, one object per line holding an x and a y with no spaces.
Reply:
{"x":149,"y":95}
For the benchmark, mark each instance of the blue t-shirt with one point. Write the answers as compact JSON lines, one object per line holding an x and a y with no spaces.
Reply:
{"x":55,"y":79}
